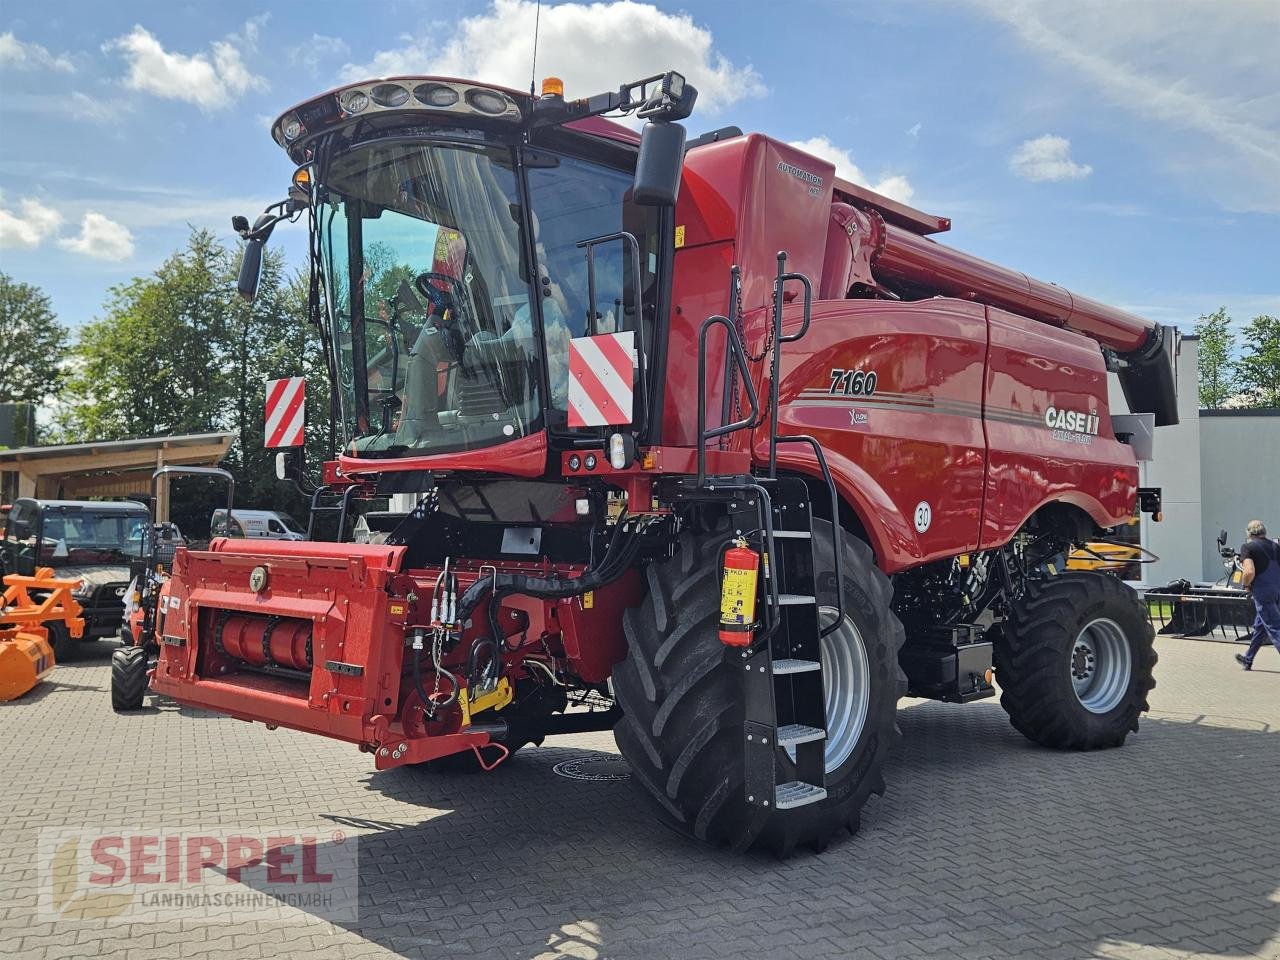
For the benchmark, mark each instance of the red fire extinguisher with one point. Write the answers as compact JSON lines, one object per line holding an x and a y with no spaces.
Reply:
{"x":738,"y":594}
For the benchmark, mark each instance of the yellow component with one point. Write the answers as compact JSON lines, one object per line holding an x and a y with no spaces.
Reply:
{"x":1111,"y":556}
{"x":302,"y":178}
{"x":397,"y":608}
{"x":963,"y":561}
{"x":648,"y":461}
{"x":495,"y":699}
{"x":679,"y":236}
{"x":552,"y":87}
{"x":588,"y":600}
{"x":26,"y":656}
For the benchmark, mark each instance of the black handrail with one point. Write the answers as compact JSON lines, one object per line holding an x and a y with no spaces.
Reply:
{"x":341,"y":509}
{"x":735,"y":317}
{"x":779,"y":283}
{"x":642,"y":344}
{"x":733,"y":346}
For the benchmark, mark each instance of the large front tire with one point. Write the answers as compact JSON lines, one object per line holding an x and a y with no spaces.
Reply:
{"x":128,"y":679}
{"x":1074,"y":661}
{"x":681,"y":692}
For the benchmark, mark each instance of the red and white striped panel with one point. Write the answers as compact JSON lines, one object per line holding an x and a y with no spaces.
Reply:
{"x":601,"y":379}
{"x":286,"y":412}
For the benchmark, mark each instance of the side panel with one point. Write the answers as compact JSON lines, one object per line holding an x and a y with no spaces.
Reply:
{"x":1049,"y":429}
{"x":700,"y":289}
{"x":913,"y":438}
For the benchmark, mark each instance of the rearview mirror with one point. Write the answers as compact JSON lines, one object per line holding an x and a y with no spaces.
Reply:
{"x":1222,"y":538}
{"x":250,"y":270}
{"x":659,"y":165}
{"x":282,"y":465}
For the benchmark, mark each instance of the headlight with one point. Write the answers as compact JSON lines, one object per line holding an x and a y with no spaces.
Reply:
{"x":436,"y":94}
{"x":389,"y":95}
{"x":487,"y":101}
{"x":354,"y":101}
{"x":83,"y":589}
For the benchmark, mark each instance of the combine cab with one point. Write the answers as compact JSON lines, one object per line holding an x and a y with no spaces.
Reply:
{"x":691,"y":440}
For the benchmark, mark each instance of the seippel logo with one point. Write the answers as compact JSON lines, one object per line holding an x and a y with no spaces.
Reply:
{"x":1073,"y":421}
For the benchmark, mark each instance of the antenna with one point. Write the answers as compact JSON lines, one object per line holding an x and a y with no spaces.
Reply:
{"x":533,"y":69}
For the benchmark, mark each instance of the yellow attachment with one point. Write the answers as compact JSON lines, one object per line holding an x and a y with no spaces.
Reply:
{"x":495,"y":699}
{"x":26,"y":656}
{"x":552,"y":87}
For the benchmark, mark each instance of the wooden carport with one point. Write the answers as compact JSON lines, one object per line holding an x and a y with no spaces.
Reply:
{"x":110,"y":468}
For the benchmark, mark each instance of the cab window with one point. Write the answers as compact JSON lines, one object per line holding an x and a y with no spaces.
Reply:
{"x":575,"y":200}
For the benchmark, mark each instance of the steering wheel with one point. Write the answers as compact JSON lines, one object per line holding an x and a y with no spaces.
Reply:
{"x":437,"y":297}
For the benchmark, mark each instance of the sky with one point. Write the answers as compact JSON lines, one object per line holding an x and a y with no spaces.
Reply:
{"x":1128,"y":151}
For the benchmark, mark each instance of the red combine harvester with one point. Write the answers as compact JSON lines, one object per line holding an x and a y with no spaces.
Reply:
{"x":741,"y":501}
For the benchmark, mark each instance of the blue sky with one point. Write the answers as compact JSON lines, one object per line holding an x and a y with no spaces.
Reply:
{"x":1129,"y":151}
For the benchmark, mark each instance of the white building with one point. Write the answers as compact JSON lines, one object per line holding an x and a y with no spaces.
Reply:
{"x":1217,"y":469}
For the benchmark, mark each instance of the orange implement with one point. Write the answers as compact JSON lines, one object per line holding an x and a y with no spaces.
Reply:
{"x":26,"y":656}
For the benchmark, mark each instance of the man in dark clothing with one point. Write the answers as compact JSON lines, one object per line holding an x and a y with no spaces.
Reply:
{"x":1260,"y":559}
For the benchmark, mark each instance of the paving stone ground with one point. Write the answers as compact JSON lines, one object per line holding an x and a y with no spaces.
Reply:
{"x":984,"y":846}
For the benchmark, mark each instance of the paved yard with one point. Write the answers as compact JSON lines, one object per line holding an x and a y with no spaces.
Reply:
{"x":984,"y":846}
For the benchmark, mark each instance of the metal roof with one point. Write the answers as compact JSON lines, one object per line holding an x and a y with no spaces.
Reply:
{"x":98,"y":506}
{"x":117,"y":446}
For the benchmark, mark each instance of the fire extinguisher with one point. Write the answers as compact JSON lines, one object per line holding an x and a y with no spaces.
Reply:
{"x":738,"y":594}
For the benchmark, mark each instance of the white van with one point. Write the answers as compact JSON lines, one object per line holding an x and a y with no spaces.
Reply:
{"x":256,"y":525}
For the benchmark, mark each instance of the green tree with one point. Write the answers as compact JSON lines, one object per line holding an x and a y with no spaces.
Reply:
{"x":32,"y":344}
{"x":181,"y":352}
{"x":1259,"y":367}
{"x":1216,"y":366}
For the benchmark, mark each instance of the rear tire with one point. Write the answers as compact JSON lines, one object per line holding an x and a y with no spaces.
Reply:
{"x":1074,"y":661}
{"x":128,"y":679}
{"x":681,"y":691}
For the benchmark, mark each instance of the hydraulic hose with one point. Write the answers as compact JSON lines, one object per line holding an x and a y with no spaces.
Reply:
{"x":617,"y":560}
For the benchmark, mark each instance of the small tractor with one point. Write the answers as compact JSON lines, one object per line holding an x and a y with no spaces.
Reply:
{"x":31,"y":608}
{"x":693,"y":432}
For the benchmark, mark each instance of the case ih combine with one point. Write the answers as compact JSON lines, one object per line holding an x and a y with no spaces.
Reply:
{"x":742,"y":499}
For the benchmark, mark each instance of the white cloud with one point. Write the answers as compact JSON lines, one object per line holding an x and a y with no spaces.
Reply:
{"x":914,"y":130}
{"x":1205,"y":70}
{"x":592,"y":47}
{"x":1047,"y":158}
{"x":100,"y":238}
{"x":310,"y":53}
{"x":30,"y":56}
{"x":895,"y":186}
{"x":210,"y":81}
{"x":29,"y":228}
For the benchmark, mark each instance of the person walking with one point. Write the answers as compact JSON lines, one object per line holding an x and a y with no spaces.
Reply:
{"x":1260,"y":560}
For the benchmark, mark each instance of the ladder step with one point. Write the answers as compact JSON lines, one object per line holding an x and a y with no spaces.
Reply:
{"x":797,"y":794}
{"x":794,"y":599}
{"x":795,"y":733}
{"x":791,"y":665}
{"x":792,"y":535}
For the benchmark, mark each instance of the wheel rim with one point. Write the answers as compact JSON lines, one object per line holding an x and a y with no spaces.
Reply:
{"x":846,"y":686}
{"x":1101,"y":665}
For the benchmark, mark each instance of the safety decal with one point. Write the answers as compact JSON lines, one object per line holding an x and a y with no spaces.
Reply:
{"x":601,"y":379}
{"x":286,"y":412}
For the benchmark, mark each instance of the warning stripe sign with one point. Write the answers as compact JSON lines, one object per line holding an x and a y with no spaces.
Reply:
{"x":601,"y":379}
{"x":286,"y":412}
